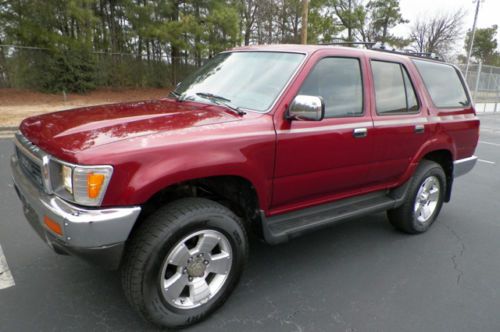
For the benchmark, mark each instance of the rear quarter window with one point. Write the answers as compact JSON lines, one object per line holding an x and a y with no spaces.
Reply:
{"x":444,"y":84}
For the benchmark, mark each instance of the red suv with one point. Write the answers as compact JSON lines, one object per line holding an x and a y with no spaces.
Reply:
{"x":273,"y":140}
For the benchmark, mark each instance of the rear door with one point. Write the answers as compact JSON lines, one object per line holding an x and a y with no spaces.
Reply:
{"x":399,"y":121}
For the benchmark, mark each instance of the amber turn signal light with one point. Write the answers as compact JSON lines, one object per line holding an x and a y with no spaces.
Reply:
{"x":52,"y":225}
{"x":94,"y":184}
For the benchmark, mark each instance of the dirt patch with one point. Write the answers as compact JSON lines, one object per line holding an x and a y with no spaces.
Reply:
{"x":16,"y":105}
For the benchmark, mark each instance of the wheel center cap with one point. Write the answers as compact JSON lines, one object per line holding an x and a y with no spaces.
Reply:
{"x":196,"y":268}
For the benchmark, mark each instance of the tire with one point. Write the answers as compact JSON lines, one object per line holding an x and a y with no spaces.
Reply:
{"x":423,"y":201}
{"x":184,"y":261}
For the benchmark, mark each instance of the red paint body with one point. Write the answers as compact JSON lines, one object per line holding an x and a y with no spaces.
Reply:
{"x":291,"y":164}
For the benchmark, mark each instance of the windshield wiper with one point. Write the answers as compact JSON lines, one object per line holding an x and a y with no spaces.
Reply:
{"x":221,"y":101}
{"x":176,"y":95}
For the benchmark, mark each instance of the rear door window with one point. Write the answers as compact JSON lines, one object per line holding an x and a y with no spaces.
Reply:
{"x":443,"y":83}
{"x":394,"y":92}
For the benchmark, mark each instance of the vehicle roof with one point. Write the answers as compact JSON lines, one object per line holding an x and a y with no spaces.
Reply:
{"x":309,"y":49}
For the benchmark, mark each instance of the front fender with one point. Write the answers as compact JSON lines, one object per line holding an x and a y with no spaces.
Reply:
{"x":144,"y":174}
{"x":146,"y":184}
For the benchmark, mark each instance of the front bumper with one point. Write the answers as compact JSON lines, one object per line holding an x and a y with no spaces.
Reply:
{"x":96,"y":235}
{"x":463,"y":166}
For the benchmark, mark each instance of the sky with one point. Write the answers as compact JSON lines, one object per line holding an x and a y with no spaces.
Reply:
{"x":489,"y":13}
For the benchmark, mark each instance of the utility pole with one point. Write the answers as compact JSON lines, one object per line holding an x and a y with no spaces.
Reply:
{"x":305,"y":11}
{"x":472,"y":39}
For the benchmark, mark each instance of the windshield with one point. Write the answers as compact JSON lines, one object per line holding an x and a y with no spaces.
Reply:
{"x":249,"y":80}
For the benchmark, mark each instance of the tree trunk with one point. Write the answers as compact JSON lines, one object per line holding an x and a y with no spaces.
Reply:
{"x":4,"y":74}
{"x":197,"y":41}
{"x":174,"y":49}
{"x":247,"y":35}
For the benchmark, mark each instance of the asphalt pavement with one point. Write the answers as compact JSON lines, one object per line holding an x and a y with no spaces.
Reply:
{"x":357,"y":276}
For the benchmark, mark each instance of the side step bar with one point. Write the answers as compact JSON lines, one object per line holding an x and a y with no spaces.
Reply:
{"x":286,"y":226}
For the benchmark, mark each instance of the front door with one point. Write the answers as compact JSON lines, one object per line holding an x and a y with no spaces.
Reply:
{"x":319,"y":161}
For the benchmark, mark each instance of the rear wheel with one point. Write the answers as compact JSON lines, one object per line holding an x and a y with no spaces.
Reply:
{"x":184,"y":262}
{"x":424,"y":200}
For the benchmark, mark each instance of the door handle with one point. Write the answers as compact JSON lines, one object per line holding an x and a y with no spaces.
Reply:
{"x":360,"y":132}
{"x":419,"y":129}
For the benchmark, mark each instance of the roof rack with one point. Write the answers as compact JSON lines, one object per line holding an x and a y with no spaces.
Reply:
{"x":428,"y":55}
{"x":382,"y":48}
{"x":367,"y":44}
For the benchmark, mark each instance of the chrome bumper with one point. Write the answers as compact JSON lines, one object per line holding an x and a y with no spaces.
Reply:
{"x":463,"y":166}
{"x":86,"y":232}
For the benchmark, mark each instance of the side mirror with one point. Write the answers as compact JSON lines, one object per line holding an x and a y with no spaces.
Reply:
{"x":306,"y":108}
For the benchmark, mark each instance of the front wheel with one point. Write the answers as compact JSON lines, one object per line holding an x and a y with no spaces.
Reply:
{"x":184,"y":262}
{"x":424,"y":200}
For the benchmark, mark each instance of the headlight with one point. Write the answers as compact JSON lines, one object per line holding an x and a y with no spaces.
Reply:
{"x":85,"y":185}
{"x":67,"y":178}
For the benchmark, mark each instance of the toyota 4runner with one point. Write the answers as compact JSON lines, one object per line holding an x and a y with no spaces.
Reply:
{"x":271,"y":140}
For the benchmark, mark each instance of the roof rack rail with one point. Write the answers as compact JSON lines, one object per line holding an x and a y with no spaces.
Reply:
{"x":375,"y":46}
{"x":367,"y":44}
{"x":428,"y":55}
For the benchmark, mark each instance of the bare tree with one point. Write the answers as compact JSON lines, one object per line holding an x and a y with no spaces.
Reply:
{"x":437,"y":34}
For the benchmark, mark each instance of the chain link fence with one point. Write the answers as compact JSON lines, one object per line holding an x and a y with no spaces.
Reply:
{"x":484,"y":83}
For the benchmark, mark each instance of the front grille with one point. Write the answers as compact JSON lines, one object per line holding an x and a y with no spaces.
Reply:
{"x":30,"y":168}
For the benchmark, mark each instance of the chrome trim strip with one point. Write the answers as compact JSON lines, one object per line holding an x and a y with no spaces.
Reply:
{"x":38,"y":156}
{"x":464,"y":166}
{"x":353,"y":125}
{"x":30,"y":150}
{"x":412,"y":121}
{"x":46,"y":174}
{"x":453,"y":118}
{"x":380,"y":123}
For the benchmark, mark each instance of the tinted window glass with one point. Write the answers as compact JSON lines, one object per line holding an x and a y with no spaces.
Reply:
{"x":390,"y":92}
{"x":443,"y":83}
{"x":411,"y":97}
{"x":338,"y":81}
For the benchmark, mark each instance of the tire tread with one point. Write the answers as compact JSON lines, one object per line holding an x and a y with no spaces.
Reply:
{"x":402,"y":217}
{"x":152,"y":231}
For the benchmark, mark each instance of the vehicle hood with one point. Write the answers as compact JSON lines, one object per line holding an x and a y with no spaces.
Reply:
{"x":65,"y":133}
